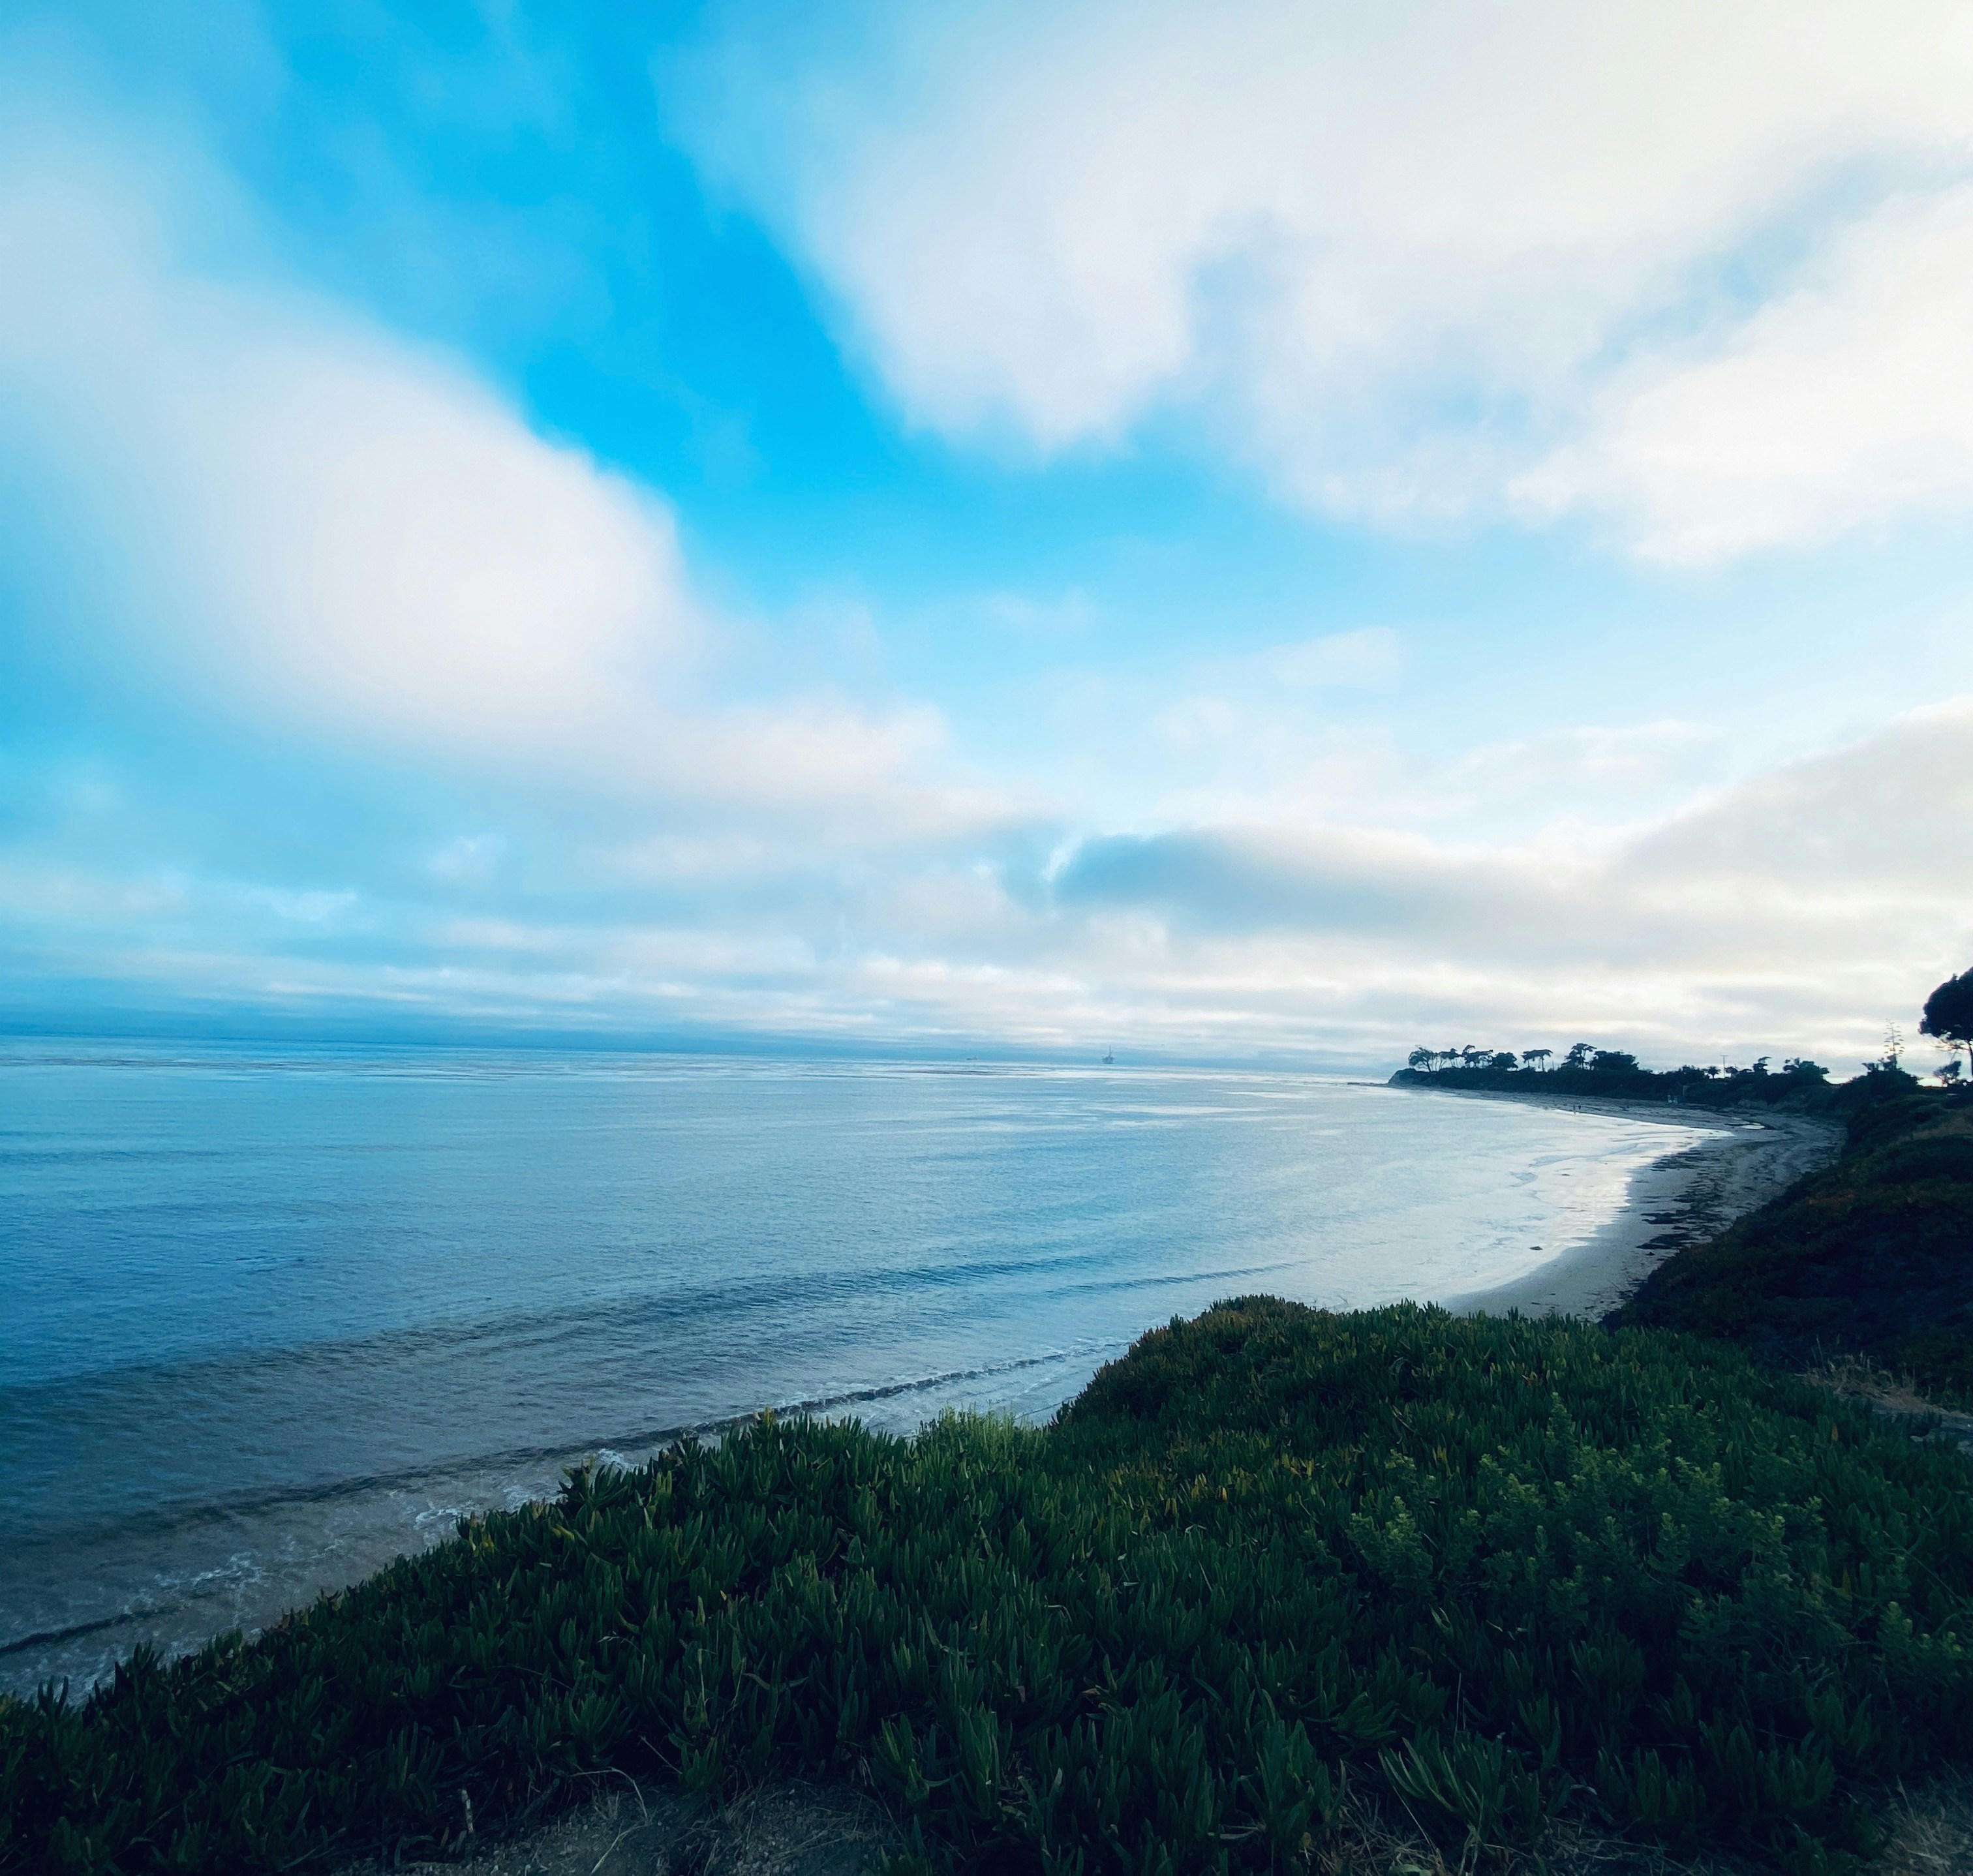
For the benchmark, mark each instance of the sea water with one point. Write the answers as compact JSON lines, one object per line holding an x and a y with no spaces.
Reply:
{"x":270,"y":1318}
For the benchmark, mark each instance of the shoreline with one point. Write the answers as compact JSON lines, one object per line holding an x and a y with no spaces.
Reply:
{"x":1682,"y":1198}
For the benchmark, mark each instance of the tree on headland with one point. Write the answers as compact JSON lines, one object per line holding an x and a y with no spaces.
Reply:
{"x":1949,"y":1014}
{"x":1588,"y":1069}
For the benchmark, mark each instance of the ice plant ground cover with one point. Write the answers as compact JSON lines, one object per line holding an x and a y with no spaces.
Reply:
{"x":1502,"y":1570}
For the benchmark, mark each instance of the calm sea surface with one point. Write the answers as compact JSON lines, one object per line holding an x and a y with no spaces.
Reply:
{"x":268,"y":1318}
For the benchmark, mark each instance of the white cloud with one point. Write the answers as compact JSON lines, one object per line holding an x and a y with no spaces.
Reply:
{"x":1059,"y":615}
{"x":1196,"y":722}
{"x":1406,"y":252}
{"x":1843,"y":403}
{"x":1798,"y":911}
{"x":326,"y":522}
{"x":1888,"y":820}
{"x":1374,"y":654}
{"x":468,"y":859}
{"x":317,"y":527}
{"x":1579,"y":777}
{"x":1319,"y":732}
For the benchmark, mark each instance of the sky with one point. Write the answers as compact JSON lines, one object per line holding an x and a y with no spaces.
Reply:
{"x":1270,"y":532}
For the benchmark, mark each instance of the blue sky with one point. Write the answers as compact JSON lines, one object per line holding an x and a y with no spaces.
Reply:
{"x":1216,"y":532}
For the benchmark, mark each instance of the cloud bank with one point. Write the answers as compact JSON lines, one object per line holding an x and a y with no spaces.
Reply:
{"x":1696,"y":273}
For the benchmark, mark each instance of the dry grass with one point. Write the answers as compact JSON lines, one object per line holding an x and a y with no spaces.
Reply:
{"x":1375,"y":1838}
{"x":1931,"y":1830}
{"x":788,"y":1829}
{"x":1929,"y":1833}
{"x":802,"y":1830}
{"x":1856,"y":1377}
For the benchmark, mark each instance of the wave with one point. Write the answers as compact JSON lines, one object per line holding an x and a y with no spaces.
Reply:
{"x":543,"y":1332}
{"x":156,"y":1524}
{"x":54,"y":1638}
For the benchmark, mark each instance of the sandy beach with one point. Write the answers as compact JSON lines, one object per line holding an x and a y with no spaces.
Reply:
{"x":1688,"y":1196}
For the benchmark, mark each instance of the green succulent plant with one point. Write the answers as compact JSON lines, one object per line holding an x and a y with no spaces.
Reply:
{"x":1494,"y":1569}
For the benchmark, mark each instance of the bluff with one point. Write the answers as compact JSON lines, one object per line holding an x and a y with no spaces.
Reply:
{"x":1872,"y":1256}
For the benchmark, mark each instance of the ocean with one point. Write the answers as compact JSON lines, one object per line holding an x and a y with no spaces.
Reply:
{"x":270,"y":1317}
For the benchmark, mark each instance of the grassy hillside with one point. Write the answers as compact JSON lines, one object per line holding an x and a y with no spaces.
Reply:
{"x":1498,"y":1570}
{"x":1873,"y":1255}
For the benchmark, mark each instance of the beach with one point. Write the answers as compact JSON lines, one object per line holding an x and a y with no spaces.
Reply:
{"x":1690,"y":1195}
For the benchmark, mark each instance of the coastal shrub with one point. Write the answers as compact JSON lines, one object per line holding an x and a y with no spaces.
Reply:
{"x":1872,"y":1256}
{"x":1612,"y":1074}
{"x":1494,"y":1569}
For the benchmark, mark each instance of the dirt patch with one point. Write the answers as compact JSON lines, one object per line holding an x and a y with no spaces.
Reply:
{"x":806,"y":1830}
{"x":627,"y":1830}
{"x":1896,"y":1397}
{"x":1928,"y":1831}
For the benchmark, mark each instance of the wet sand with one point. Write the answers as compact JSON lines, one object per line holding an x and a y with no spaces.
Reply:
{"x":1684,"y":1198}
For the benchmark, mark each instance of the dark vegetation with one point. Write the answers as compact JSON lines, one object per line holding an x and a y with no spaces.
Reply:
{"x":1871,"y":1256}
{"x":1592,"y":1074}
{"x":1948,"y":1017}
{"x":1498,"y":1571}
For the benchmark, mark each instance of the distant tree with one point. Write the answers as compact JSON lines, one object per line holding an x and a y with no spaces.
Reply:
{"x":1948,"y":1014}
{"x":1888,"y":1064}
{"x":1949,"y":1074}
{"x":1470,"y":1056}
{"x":1537,"y":1058}
{"x":1503,"y":1058}
{"x":1422,"y":1058}
{"x":1760,"y":1066}
{"x":1578,"y":1057}
{"x":1804,"y":1069}
{"x":1613,"y":1062}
